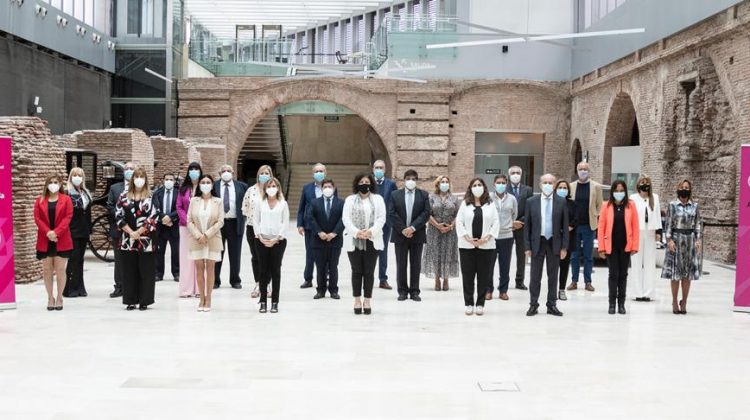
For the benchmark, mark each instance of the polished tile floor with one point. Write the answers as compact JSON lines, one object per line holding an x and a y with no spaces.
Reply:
{"x":317,"y":360}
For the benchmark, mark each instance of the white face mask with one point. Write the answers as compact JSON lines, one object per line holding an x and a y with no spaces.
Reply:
{"x":206,"y":188}
{"x":477,"y":191}
{"x":53,"y":188}
{"x":226,"y":176}
{"x":410,"y":184}
{"x":76,"y":181}
{"x":515,"y":178}
{"x":139,"y":182}
{"x":328,"y":192}
{"x":271,"y":192}
{"x":169,"y":184}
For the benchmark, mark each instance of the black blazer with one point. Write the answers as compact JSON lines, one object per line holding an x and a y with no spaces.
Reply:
{"x":524,"y":193}
{"x":114,"y":195}
{"x":532,"y":230}
{"x":158,"y":200}
{"x":240,"y":188}
{"x":419,"y":215}
{"x":572,"y":222}
{"x":333,"y":224}
{"x":80,"y":224}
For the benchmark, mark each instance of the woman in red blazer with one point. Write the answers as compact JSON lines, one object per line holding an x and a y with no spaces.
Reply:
{"x":53,"y":211}
{"x":618,"y":236}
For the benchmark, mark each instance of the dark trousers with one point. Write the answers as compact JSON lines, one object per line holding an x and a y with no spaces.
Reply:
{"x":363,"y":269}
{"x":118,"y":264}
{"x":504,"y":249}
{"x":232,"y":244}
{"x":564,"y":269}
{"x":168,"y":236}
{"x":327,"y":268}
{"x":270,"y":270}
{"x":618,"y":262}
{"x":520,"y":256}
{"x":74,"y":270}
{"x":138,"y":285}
{"x":476,"y":263}
{"x":547,"y":255}
{"x":383,"y":255}
{"x":584,"y":250}
{"x":408,"y":261}
{"x":253,"y":243}
{"x":309,"y":256}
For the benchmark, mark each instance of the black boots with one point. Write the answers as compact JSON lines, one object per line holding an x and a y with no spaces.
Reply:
{"x":620,"y":307}
{"x":611,"y":308}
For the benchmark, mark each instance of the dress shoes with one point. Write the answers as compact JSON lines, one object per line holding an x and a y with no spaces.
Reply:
{"x":589,"y":287}
{"x":319,"y":295}
{"x":533,"y":310}
{"x":552,"y":310}
{"x":611,"y":309}
{"x":306,"y":285}
{"x":385,"y":285}
{"x":335,"y":296}
{"x":504,"y":296}
{"x":217,"y":285}
{"x":621,"y":309}
{"x":402,"y":298}
{"x":416,"y":298}
{"x":572,"y":286}
{"x":116,"y":293}
{"x":488,"y":296}
{"x":521,"y":286}
{"x":237,"y":286}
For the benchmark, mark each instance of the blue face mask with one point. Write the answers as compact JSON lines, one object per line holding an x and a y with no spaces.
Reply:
{"x":444,"y":186}
{"x":547,"y":189}
{"x":319,"y":176}
{"x":379,"y":173}
{"x":500,"y":188}
{"x":128,"y":174}
{"x":263,"y":178}
{"x":562,"y":192}
{"x":619,"y":196}
{"x":194,"y":174}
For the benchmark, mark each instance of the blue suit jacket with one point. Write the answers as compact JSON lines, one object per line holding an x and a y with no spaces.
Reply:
{"x":305,"y":203}
{"x":334,"y":223}
{"x":240,"y":188}
{"x":158,"y":200}
{"x":385,"y":190}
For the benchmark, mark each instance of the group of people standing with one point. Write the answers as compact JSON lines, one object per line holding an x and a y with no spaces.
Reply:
{"x":436,"y":233}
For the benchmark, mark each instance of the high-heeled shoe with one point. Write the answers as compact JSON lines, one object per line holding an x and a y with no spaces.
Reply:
{"x":357,"y":311}
{"x":274,"y":308}
{"x":263,"y":308}
{"x":52,"y":306}
{"x":683,"y":311}
{"x":142,"y":307}
{"x":130,"y":307}
{"x":58,"y":304}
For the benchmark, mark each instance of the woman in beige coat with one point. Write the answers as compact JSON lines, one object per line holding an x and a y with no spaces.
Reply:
{"x":205,"y":219}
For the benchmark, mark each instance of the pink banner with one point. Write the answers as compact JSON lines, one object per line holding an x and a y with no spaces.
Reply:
{"x":7,"y":271}
{"x":742,"y":282}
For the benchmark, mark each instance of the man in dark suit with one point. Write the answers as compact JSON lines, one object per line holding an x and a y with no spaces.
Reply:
{"x":114,"y":194}
{"x":310,"y":192}
{"x":168,"y":228}
{"x":408,"y":211}
{"x":231,"y":193}
{"x":546,"y":240}
{"x":385,"y":187}
{"x":327,"y":228}
{"x":521,"y":193}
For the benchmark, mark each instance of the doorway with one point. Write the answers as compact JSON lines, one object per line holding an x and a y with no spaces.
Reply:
{"x":496,"y":151}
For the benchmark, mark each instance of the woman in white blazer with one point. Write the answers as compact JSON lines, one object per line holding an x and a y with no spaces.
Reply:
{"x":643,"y":264}
{"x":477,"y":227}
{"x":364,"y":218}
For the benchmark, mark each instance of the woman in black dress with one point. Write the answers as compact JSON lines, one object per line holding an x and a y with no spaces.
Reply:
{"x":80,"y":229}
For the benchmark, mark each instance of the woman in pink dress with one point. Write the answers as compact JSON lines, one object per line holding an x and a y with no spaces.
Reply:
{"x":188,"y":277}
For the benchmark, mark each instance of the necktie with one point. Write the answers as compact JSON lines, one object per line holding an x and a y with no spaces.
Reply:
{"x":548,"y":218}
{"x":168,"y":205}
{"x":515,"y":191}
{"x":226,"y":197}
{"x":328,"y":207}
{"x":409,"y":206}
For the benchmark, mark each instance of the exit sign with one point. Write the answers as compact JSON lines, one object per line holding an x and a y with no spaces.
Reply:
{"x":331,"y":118}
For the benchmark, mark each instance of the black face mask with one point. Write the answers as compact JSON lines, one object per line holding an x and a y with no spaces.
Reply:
{"x":683,"y":193}
{"x":644,"y":187}
{"x":363,"y":188}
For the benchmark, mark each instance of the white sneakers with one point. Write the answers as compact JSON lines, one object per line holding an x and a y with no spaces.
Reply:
{"x":479,"y":311}
{"x":469,"y":310}
{"x":561,"y":295}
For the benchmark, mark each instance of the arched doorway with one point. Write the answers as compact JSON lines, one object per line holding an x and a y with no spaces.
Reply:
{"x":577,"y":156}
{"x":622,"y":130}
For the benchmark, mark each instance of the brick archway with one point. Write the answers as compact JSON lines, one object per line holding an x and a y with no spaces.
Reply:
{"x":249,"y":107}
{"x":621,"y":124}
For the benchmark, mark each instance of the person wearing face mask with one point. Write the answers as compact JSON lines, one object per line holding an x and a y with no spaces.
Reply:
{"x":168,"y":228}
{"x":384,"y":187}
{"x":546,"y":235}
{"x":188,"y":286}
{"x":271,"y":223}
{"x":136,"y":216}
{"x":588,"y":197}
{"x":440,"y":257}
{"x":327,"y":228}
{"x":477,"y":226}
{"x":115,"y":191}
{"x":618,"y":235}
{"x":507,"y":213}
{"x":232,"y":193}
{"x":205,"y":218}
{"x":562,"y":189}
{"x":363,"y":217}
{"x":80,"y":230}
{"x":53,"y":211}
{"x":683,"y":230}
{"x":521,"y":193}
{"x":252,"y":196}
{"x":643,"y":263}
{"x":408,"y":212}
{"x":310,"y":192}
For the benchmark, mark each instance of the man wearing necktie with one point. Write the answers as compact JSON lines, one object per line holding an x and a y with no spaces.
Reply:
{"x":522,"y":193}
{"x":384,"y":187}
{"x":546,"y":240}
{"x":408,"y":211}
{"x":231,"y":193}
{"x":327,"y":225}
{"x":168,"y":228}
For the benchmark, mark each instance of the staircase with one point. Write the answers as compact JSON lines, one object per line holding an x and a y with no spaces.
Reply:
{"x":264,"y":143}
{"x":301,"y":174}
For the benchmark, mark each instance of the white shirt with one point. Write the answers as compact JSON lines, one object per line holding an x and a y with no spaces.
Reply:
{"x":271,"y":221}
{"x":367,"y":207}
{"x":465,"y":219}
{"x":251,"y":199}
{"x":318,"y":190}
{"x":168,"y":194}
{"x":232,"y":213}
{"x":547,"y":201}
{"x":654,"y":216}
{"x":350,"y":229}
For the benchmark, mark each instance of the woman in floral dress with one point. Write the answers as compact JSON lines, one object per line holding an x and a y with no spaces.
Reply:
{"x":440,"y":258}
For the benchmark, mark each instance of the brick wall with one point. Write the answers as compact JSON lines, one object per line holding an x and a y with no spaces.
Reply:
{"x":172,"y":156}
{"x":119,"y":144}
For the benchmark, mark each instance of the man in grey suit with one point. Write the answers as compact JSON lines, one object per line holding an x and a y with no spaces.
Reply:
{"x":114,"y":194}
{"x":546,"y":239}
